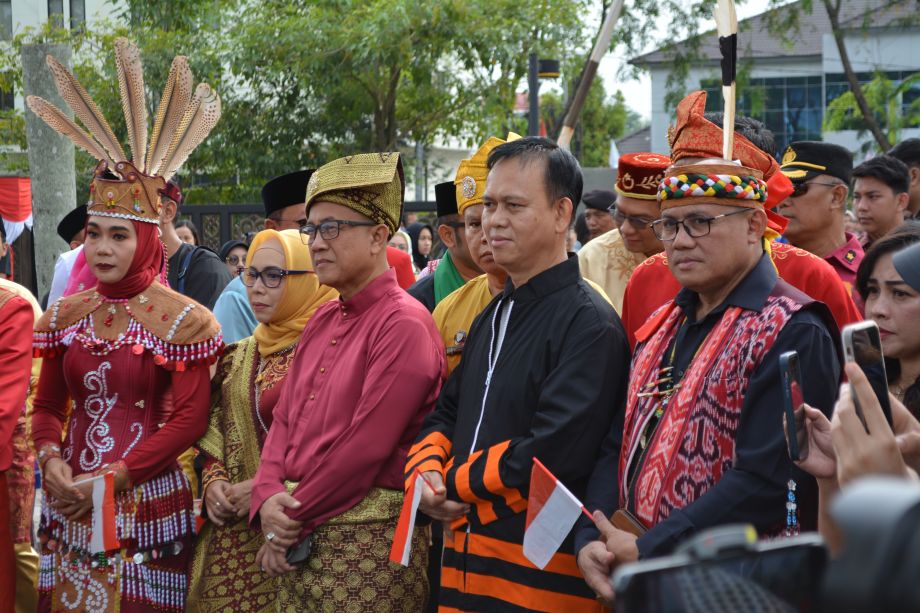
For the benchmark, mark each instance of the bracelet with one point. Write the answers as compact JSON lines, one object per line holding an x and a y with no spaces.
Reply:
{"x":216,"y":472}
{"x":47,"y":451}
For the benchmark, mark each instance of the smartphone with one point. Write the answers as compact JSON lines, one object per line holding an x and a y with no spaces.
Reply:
{"x":794,"y":405}
{"x":863,"y":344}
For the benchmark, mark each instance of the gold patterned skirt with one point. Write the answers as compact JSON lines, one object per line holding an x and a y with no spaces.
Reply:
{"x":224,"y":574}
{"x":349,"y":569}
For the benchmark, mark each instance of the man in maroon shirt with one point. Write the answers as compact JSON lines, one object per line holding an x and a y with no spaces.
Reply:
{"x":330,"y":487}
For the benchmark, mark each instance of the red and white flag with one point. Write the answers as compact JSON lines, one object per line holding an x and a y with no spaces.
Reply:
{"x":103,"y":535}
{"x":551,"y":512}
{"x":402,"y":539}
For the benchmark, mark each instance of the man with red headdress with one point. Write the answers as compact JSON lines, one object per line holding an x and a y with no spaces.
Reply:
{"x":702,"y":442}
{"x":696,"y":137}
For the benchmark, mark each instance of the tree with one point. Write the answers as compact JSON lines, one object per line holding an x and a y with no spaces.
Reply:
{"x":692,"y":22}
{"x":601,"y":121}
{"x":886,"y":104}
{"x":339,"y":76}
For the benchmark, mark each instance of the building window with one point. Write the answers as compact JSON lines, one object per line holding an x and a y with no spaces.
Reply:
{"x":791,"y":107}
{"x":77,"y":14}
{"x":837,"y":85}
{"x":56,"y":12}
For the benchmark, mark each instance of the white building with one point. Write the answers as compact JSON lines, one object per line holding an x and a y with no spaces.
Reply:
{"x":18,"y":15}
{"x":790,"y":86}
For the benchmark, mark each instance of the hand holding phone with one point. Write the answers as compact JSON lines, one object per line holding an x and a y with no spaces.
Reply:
{"x":862,"y":344}
{"x":794,"y":406}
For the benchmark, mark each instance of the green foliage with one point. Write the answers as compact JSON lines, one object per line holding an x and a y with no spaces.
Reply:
{"x":302,"y":82}
{"x":886,"y":101}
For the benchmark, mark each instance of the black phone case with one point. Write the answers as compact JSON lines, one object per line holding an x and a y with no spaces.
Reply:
{"x":297,"y":554}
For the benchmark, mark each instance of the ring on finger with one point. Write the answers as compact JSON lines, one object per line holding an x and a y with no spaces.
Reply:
{"x":270,"y":537}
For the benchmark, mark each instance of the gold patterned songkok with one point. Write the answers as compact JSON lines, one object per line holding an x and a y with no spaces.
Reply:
{"x":370,"y":183}
{"x":473,"y":172}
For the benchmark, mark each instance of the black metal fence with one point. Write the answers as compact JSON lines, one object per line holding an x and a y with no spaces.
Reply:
{"x":219,"y":223}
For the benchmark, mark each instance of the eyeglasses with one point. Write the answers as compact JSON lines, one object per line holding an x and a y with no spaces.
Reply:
{"x":696,"y":226}
{"x":802,"y":188}
{"x":637,"y":222}
{"x":271,"y":277}
{"x":236,"y":260}
{"x":328,"y":229}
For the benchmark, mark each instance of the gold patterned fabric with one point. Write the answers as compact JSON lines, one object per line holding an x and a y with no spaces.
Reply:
{"x":607,"y":262}
{"x":349,"y":570}
{"x":224,"y":574}
{"x":370,"y":183}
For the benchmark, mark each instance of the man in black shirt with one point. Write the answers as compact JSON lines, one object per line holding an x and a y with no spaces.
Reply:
{"x":702,"y":443}
{"x":542,"y":376}
{"x":194,"y":271}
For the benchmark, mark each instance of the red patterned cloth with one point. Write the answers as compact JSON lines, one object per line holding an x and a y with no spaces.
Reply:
{"x":694,"y":442}
{"x":652,"y":285}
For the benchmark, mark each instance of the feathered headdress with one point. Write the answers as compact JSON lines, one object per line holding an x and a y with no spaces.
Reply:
{"x":131,"y":188}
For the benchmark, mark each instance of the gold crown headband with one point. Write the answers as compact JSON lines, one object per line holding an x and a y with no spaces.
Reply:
{"x":184,"y":119}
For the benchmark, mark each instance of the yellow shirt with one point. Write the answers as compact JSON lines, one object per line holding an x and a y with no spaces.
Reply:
{"x":455,"y":314}
{"x":606,"y":261}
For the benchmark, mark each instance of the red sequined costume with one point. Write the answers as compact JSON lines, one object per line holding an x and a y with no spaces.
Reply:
{"x":133,"y":358}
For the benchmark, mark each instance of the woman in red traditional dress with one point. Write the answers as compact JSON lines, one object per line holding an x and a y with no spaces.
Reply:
{"x":132,"y":357}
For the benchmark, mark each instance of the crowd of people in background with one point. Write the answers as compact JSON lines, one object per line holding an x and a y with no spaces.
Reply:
{"x":256,"y":415}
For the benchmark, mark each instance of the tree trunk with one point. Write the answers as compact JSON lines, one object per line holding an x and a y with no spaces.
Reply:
{"x":833,"y":13}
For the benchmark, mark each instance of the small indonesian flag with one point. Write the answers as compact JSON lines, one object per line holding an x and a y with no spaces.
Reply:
{"x":402,"y":539}
{"x":103,"y":535}
{"x":551,"y":512}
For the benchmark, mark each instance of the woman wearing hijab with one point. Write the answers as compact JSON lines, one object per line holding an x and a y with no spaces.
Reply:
{"x":284,"y":293}
{"x":132,"y":355}
{"x":125,"y":370}
{"x":422,"y":240}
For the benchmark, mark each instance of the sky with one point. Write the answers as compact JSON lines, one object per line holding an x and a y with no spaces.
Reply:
{"x":639,"y":96}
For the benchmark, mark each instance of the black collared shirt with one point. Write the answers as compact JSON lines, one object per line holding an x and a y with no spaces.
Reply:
{"x":753,"y":490}
{"x":557,"y":385}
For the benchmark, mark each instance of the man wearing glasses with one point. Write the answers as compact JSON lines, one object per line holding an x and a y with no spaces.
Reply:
{"x":820,"y":173}
{"x":610,"y":259}
{"x":702,"y":442}
{"x":330,"y":484}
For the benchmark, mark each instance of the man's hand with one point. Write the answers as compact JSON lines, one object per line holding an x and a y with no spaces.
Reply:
{"x":280,"y":530}
{"x":620,"y":543}
{"x":435,"y":504}
{"x":271,"y":562}
{"x":240,"y":496}
{"x":821,"y":461}
{"x":596,"y":564}
{"x":220,"y":509}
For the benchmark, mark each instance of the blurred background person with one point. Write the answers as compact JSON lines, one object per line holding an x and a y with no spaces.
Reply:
{"x":598,"y":212}
{"x":233,"y":255}
{"x":422,"y":236}
{"x":187,"y":232}
{"x":402,"y":241}
{"x":880,"y":196}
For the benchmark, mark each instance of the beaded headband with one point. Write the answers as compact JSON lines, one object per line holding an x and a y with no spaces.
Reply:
{"x":724,"y":184}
